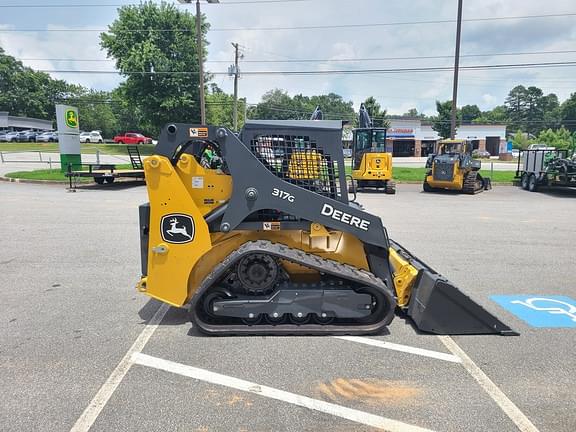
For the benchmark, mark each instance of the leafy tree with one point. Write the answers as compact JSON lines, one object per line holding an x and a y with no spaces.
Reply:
{"x":275,"y":105}
{"x":560,"y":138}
{"x":516,"y":106}
{"x":334,"y":107}
{"x":520,"y":140}
{"x":412,"y":112}
{"x":568,"y":113}
{"x":25,"y":92}
{"x":442,"y":122}
{"x":496,"y":115}
{"x":160,"y":64}
{"x":528,"y":109}
{"x":534,"y":109}
{"x":220,"y":108}
{"x":377,"y":115}
{"x":278,"y":105}
{"x":96,"y":112}
{"x":551,"y":111}
{"x":470,"y":113}
{"x":128,"y":116}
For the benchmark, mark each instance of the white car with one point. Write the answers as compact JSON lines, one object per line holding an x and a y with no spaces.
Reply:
{"x":540,"y":147}
{"x":47,"y":137}
{"x":91,"y":137}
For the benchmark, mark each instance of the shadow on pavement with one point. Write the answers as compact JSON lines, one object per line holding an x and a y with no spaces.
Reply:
{"x":121,"y":185}
{"x":174,"y":316}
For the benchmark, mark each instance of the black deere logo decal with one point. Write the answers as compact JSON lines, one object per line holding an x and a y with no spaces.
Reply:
{"x":177,"y":228}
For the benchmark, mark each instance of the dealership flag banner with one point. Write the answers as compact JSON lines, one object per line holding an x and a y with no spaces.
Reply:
{"x":68,"y":136}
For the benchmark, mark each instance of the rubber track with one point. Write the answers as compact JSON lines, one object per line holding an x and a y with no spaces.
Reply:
{"x":315,"y":262}
{"x":469,"y":186}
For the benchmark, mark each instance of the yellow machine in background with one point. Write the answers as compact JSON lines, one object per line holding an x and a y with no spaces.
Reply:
{"x":453,"y":168}
{"x":371,"y":164}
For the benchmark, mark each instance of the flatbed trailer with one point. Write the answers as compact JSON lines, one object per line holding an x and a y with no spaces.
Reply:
{"x":546,"y":168}
{"x":107,"y":173}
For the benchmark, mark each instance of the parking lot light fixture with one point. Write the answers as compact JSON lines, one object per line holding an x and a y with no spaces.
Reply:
{"x":200,"y":59}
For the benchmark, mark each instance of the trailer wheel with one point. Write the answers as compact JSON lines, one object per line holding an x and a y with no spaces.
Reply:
{"x":532,"y":183}
{"x":524,"y":181}
{"x":99,"y":180}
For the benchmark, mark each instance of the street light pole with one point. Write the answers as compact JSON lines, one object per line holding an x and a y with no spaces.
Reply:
{"x":456,"y":66}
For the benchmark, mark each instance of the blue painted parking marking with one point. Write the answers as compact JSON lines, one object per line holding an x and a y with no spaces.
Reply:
{"x":540,"y":311}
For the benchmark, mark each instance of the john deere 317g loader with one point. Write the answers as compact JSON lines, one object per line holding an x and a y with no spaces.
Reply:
{"x":257,"y":236}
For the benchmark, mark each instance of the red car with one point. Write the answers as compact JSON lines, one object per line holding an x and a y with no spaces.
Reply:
{"x":132,"y":138}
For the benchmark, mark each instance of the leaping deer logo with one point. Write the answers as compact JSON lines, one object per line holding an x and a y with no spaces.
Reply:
{"x":174,"y":229}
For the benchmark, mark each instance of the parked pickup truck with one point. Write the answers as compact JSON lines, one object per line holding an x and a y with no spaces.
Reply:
{"x":132,"y":138}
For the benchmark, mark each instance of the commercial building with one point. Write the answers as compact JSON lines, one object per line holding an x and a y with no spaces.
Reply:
{"x":411,"y":137}
{"x":8,"y":122}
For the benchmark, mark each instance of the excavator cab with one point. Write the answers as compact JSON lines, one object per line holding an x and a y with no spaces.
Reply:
{"x":371,"y":164}
{"x":453,"y":168}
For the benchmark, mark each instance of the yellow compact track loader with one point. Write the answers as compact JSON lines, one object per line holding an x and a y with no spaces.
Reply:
{"x":453,"y":168}
{"x":371,"y":164}
{"x":256,"y":235}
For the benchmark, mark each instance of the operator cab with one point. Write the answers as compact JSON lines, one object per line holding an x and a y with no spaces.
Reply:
{"x":367,"y":140}
{"x":452,"y":147}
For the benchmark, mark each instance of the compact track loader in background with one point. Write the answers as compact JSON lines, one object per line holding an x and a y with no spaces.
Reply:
{"x":257,"y":235}
{"x":371,"y":165}
{"x":453,"y":168}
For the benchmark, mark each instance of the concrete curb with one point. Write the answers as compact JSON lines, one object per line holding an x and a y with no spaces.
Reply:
{"x":17,"y":180}
{"x":493,"y":183}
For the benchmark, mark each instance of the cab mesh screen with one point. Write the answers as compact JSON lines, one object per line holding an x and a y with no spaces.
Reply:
{"x":300,"y":161}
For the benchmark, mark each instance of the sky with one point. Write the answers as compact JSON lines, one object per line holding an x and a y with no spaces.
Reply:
{"x":386,"y":30}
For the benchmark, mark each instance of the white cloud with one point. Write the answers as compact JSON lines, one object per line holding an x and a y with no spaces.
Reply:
{"x":396,"y":92}
{"x":50,"y":47}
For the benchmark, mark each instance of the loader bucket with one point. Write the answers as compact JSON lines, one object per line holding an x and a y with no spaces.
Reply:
{"x":437,"y":306}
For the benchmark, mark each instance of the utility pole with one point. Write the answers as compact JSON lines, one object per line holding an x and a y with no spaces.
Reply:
{"x":456,"y":66}
{"x":200,"y":63}
{"x":200,"y":54}
{"x":236,"y":73}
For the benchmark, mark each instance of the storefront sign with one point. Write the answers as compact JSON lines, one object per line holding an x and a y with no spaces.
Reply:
{"x":400,"y":132}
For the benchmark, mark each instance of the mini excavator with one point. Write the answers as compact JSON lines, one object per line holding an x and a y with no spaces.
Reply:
{"x":371,"y":164}
{"x":256,"y":235}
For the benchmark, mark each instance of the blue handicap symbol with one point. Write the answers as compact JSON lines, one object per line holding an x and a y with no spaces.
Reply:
{"x":540,"y":311}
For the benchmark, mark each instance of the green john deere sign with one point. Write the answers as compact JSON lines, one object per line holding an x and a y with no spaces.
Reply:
{"x":68,"y":137}
{"x":71,"y":119}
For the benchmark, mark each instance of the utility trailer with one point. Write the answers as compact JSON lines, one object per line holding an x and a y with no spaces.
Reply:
{"x":548,"y":167}
{"x":107,"y":173}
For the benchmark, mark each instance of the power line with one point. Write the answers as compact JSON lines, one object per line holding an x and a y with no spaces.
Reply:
{"x":97,"y":5}
{"x":334,"y":72}
{"x":331,"y":60}
{"x":311,"y":27}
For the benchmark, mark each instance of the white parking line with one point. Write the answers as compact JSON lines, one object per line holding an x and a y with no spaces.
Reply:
{"x":90,"y":414}
{"x":402,"y":348}
{"x":272,"y":393}
{"x":509,"y":408}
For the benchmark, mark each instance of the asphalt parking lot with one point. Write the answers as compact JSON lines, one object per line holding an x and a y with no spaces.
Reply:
{"x":81,"y":349}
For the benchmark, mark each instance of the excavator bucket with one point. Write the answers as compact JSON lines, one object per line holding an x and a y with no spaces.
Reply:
{"x":437,"y":306}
